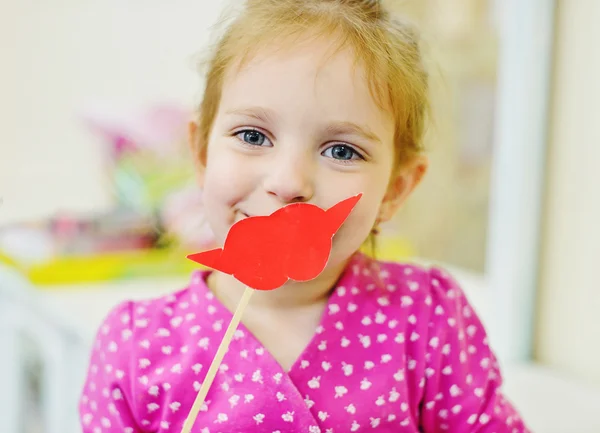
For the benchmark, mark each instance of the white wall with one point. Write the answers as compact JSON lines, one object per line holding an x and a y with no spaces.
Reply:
{"x":57,"y":56}
{"x":569,"y":322}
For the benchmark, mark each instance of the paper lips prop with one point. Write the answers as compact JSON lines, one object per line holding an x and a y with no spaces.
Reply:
{"x":293,"y":243}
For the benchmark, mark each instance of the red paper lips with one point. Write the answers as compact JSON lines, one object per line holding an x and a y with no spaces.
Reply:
{"x":294,"y":243}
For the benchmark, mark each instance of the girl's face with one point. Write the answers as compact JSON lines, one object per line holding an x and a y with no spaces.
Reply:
{"x":295,"y":126}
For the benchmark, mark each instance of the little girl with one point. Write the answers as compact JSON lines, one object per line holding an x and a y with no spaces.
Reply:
{"x":306,"y":101}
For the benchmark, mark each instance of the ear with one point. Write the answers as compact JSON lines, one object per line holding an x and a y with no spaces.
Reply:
{"x":198,"y":151}
{"x":402,"y":184}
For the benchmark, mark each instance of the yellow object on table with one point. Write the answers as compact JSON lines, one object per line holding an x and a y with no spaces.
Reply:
{"x":108,"y":267}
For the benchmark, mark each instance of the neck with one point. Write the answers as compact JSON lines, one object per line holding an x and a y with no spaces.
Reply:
{"x":291,"y":295}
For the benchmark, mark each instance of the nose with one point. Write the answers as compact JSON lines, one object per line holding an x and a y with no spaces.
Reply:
{"x":290,"y":180}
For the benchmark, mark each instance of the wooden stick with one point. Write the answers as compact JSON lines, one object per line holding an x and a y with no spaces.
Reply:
{"x":216,"y":362}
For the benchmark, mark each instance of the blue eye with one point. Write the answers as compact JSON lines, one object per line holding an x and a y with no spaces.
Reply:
{"x":252,"y":137}
{"x":342,"y":152}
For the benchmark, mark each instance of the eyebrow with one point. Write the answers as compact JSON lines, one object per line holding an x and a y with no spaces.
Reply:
{"x":344,"y":127}
{"x":262,"y":114}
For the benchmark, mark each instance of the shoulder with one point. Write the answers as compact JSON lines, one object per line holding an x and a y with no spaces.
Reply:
{"x":407,"y":278}
{"x":428,"y":290}
{"x":438,"y":304}
{"x":438,"y":300}
{"x":139,"y":319}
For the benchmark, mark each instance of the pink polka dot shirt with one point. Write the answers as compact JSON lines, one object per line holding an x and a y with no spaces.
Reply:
{"x":398,"y":349}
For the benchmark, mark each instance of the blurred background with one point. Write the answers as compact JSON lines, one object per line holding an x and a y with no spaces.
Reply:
{"x":98,"y":201}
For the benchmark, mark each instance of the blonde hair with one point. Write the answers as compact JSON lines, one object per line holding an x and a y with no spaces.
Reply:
{"x":386,"y":48}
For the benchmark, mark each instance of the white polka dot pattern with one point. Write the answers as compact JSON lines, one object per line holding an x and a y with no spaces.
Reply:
{"x":398,"y":349}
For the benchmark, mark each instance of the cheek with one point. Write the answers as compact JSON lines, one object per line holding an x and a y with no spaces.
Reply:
{"x":225,"y":180}
{"x":374,"y":186}
{"x":357,"y":227}
{"x":361,"y":220}
{"x":224,"y":185}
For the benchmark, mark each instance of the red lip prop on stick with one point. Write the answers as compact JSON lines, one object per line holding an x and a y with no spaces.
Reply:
{"x":292,"y":243}
{"x":264,"y":252}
